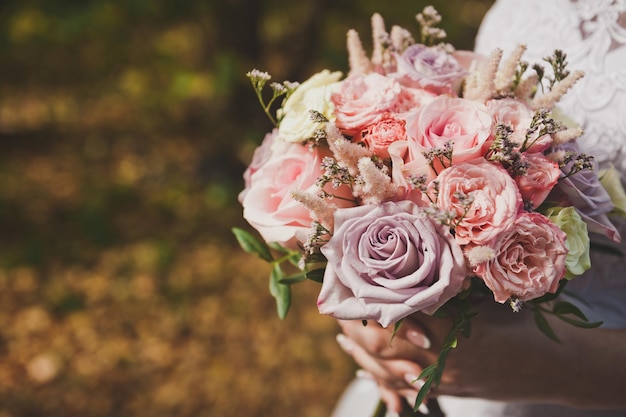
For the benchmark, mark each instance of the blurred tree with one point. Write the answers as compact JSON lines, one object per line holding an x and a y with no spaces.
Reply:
{"x":125,"y":127}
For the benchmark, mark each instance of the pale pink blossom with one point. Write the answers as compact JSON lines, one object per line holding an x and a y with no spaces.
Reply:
{"x":261,"y":154}
{"x":268,"y":204}
{"x":465,"y":124}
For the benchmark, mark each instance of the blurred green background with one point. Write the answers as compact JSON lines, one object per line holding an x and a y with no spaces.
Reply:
{"x":125,"y":127}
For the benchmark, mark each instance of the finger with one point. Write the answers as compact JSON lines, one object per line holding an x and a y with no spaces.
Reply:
{"x":392,"y":399}
{"x":410,"y":342}
{"x":395,"y":374}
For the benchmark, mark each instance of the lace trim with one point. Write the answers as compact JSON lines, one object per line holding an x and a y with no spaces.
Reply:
{"x":593,"y":34}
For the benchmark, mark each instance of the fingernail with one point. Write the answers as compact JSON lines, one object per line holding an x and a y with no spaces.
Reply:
{"x":412,"y":380}
{"x":362,"y":373}
{"x":411,"y":398}
{"x":346,"y":344}
{"x":418,"y":339}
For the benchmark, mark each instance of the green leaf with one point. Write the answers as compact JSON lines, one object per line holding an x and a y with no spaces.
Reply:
{"x":551,"y":296}
{"x":428,"y":371}
{"x":381,"y":409}
{"x":278,"y":247}
{"x":316,"y":275}
{"x":294,"y":258}
{"x":421,"y":395}
{"x":281,"y":292}
{"x":396,"y":327}
{"x":451,"y":344}
{"x":582,"y":324}
{"x":545,"y":328}
{"x":440,"y":314}
{"x":466,"y":325}
{"x":251,"y":244}
{"x":565,"y":307}
{"x":293,"y":278}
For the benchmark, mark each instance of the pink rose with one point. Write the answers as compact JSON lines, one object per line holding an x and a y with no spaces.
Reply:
{"x":428,"y":67}
{"x":363,"y":100}
{"x":380,"y":135}
{"x":495,"y":204}
{"x":261,"y":154}
{"x":446,"y":119}
{"x":388,"y":261}
{"x":541,"y":176}
{"x":470,"y":60}
{"x":268,"y":205}
{"x":518,"y":116}
{"x":413,"y":99}
{"x":529,"y":259}
{"x":465,"y":123}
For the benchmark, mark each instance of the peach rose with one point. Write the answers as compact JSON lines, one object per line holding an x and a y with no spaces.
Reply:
{"x":496,"y":200}
{"x":540,"y":178}
{"x":363,"y":100}
{"x":529,"y":259}
{"x":380,"y":135}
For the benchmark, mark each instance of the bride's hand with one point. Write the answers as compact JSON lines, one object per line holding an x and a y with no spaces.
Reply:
{"x":505,"y":358}
{"x":393,"y":364}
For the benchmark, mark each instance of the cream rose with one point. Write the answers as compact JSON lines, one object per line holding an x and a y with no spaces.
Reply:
{"x":296,"y":124}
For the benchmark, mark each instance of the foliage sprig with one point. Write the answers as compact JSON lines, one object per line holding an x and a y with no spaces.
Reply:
{"x":280,"y":280}
{"x":259,"y":79}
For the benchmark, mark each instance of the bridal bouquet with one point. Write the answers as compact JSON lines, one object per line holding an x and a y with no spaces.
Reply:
{"x":425,"y":179}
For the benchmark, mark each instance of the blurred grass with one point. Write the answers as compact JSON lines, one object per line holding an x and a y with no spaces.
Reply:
{"x":124,"y":131}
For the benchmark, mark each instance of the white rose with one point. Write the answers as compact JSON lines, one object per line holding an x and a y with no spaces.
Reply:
{"x":296,"y":124}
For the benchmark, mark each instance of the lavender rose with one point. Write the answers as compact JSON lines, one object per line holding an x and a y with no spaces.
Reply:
{"x":584,"y":191}
{"x":387,"y":262}
{"x":427,"y":67}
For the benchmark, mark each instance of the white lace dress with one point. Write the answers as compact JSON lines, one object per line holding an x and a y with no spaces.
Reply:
{"x":593,"y":34}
